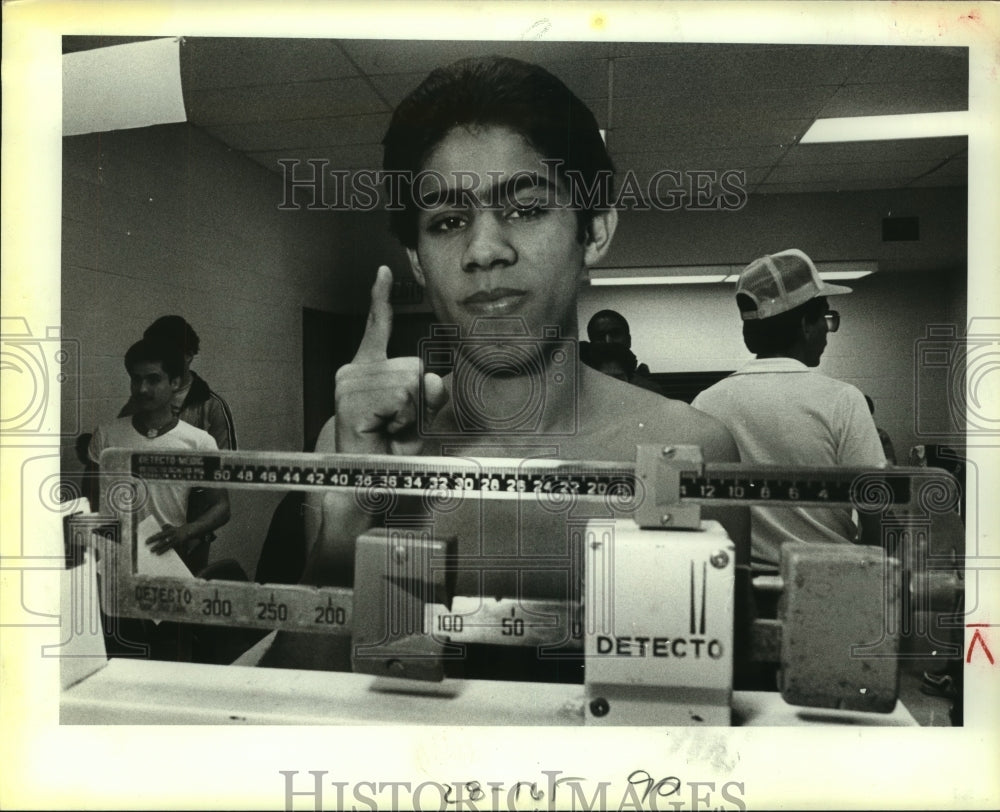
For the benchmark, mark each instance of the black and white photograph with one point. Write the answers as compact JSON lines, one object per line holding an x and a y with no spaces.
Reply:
{"x":500,"y":406}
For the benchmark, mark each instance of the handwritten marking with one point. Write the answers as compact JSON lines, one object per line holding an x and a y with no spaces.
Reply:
{"x":537,"y":30}
{"x":978,"y":636}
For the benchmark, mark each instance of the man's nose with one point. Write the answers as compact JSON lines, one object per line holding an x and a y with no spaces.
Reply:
{"x":488,"y":246}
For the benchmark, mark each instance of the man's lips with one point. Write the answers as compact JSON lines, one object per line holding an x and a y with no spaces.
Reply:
{"x":495,"y":301}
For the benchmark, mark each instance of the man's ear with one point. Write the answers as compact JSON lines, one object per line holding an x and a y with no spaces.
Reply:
{"x":597,"y":240}
{"x":175,"y":383}
{"x":418,"y":272}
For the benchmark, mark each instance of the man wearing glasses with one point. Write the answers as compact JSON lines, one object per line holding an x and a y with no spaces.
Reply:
{"x":781,"y":411}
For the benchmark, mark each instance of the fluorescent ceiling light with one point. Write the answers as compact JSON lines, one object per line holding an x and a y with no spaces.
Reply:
{"x":828,"y":276}
{"x":833,"y":275}
{"x":607,"y":281}
{"x":881,"y":128}
{"x":712,"y":274}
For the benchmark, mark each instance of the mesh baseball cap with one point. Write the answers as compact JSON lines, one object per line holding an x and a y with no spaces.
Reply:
{"x":777,"y":283}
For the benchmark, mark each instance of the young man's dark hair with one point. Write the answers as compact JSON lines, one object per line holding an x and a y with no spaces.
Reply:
{"x":608,"y":322}
{"x":197,"y":403}
{"x":500,"y":92}
{"x":159,"y":351}
{"x":777,"y":334}
{"x":175,"y":330}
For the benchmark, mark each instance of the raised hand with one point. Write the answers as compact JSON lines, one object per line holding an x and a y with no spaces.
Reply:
{"x":378,"y":397}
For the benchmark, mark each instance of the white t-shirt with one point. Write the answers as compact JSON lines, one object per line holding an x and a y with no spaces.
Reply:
{"x":781,"y":412}
{"x":167,"y":503}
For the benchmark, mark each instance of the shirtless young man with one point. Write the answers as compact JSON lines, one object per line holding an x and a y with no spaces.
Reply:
{"x":501,"y":244}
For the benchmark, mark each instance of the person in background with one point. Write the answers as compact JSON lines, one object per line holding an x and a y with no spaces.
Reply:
{"x":782,"y":412}
{"x":194,"y":402}
{"x":883,"y":435}
{"x":611,"y":327}
{"x":155,"y":369}
{"x":617,"y":361}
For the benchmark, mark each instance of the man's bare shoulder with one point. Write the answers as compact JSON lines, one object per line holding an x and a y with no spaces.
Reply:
{"x":654,"y":418}
{"x":714,"y":438}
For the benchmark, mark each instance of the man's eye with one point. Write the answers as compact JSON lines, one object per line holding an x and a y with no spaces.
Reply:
{"x":525,"y":210}
{"x":448,"y":222}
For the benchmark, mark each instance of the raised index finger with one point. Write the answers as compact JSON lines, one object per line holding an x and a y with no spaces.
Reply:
{"x":376,"y":338}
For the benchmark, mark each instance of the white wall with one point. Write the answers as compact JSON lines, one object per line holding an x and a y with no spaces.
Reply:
{"x":168,"y":220}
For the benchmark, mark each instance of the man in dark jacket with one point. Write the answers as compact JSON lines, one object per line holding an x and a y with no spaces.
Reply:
{"x":195,"y":402}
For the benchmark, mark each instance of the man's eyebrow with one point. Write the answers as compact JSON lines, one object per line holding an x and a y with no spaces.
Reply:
{"x":499,"y":192}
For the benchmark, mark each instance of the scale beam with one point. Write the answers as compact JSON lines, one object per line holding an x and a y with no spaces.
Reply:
{"x":664,"y":476}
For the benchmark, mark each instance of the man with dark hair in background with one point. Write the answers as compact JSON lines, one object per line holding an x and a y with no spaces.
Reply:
{"x":782,"y":412}
{"x":500,"y":250}
{"x":155,"y":368}
{"x":194,"y":402}
{"x":611,"y":327}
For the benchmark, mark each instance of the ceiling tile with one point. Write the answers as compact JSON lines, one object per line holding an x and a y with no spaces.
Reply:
{"x":720,"y":108}
{"x":714,"y":134}
{"x":862,"y":184}
{"x":376,"y":57}
{"x":893,"y":98}
{"x":305,"y":133}
{"x":911,"y":149}
{"x":336,"y":97}
{"x":349,"y":157}
{"x":214,"y":62}
{"x":73,"y":43}
{"x":912,"y":63}
{"x":906,"y":170}
{"x":644,"y":167}
{"x":693,"y":156}
{"x":714,"y":69}
{"x":803,"y":187}
{"x":681,"y":106}
{"x":953,"y":173}
{"x":674,"y":50}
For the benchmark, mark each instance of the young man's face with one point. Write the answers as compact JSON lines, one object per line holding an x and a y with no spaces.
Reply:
{"x":152,"y":387}
{"x":611,"y":331}
{"x":514,"y":258}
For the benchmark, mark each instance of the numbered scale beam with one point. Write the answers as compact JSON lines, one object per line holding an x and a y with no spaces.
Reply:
{"x":696,"y":482}
{"x":330,"y":610}
{"x":658,"y":483}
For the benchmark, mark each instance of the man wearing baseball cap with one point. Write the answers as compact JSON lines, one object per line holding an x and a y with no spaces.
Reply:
{"x":781,"y":411}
